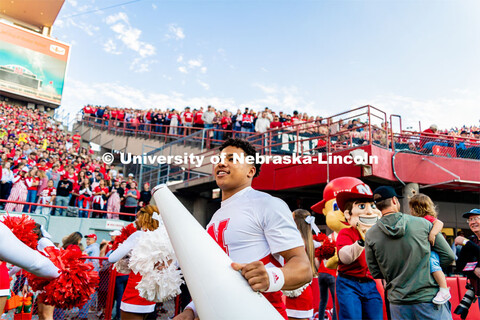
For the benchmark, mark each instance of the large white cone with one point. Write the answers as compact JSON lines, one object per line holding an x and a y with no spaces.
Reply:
{"x":219,"y":292}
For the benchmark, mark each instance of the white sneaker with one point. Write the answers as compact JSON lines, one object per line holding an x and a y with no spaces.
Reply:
{"x":442,"y":297}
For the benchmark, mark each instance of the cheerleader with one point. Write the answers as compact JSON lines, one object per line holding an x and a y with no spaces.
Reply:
{"x":300,"y":302}
{"x":133,"y":306}
{"x":47,"y":196}
{"x":4,"y":286}
{"x":45,"y":311}
{"x":19,"y":191}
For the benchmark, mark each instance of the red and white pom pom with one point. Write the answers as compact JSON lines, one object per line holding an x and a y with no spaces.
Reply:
{"x":76,"y":283}
{"x":154,"y":258}
{"x":161,"y":285}
{"x":22,"y":227}
{"x":124,"y":234}
{"x":327,"y":250}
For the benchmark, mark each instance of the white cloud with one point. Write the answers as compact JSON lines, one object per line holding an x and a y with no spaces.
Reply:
{"x":154,"y":6}
{"x":194,"y":63}
{"x":282,"y":98}
{"x":130,"y":37}
{"x":73,"y":3}
{"x":77,"y":94}
{"x":265,"y":89}
{"x":206,"y":86}
{"x":121,"y":16}
{"x":175,"y":32}
{"x":111,"y":47}
{"x":140,"y":65}
{"x":89,"y":29}
{"x":183,"y":69}
{"x":59,"y":23}
{"x":191,"y":65}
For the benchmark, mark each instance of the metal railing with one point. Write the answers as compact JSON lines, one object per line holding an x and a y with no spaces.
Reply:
{"x":369,"y":126}
{"x":20,"y":206}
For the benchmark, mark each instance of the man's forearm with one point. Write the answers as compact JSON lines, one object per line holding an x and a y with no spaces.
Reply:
{"x":297,"y":271}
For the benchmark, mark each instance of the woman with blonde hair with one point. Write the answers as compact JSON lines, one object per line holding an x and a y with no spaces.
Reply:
{"x":300,"y":302}
{"x":133,"y":306}
{"x":422,"y":206}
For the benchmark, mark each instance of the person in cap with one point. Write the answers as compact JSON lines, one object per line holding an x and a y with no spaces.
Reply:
{"x":471,"y":250}
{"x":357,"y":293}
{"x":92,"y":249}
{"x":397,"y":250}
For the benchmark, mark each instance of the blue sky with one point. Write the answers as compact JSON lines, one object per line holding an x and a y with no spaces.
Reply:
{"x":419,"y":59}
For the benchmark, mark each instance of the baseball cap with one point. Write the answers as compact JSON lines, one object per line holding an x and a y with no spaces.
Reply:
{"x":359,"y":192}
{"x":130,"y":174}
{"x":384,"y":192}
{"x":115,"y":233}
{"x":25,"y":169}
{"x":91,"y":235}
{"x":471,"y":213}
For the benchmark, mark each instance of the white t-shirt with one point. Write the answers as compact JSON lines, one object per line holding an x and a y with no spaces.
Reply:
{"x":254,"y":226}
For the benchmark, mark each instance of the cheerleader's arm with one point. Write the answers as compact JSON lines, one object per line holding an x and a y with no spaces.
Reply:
{"x":124,"y":248}
{"x":15,"y":252}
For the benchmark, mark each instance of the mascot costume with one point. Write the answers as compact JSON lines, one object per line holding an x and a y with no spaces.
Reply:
{"x":333,"y":215}
{"x":357,"y":294}
{"x":326,"y":254}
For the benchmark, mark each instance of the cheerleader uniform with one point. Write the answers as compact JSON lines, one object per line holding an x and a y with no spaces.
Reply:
{"x":4,"y":280}
{"x":131,"y":300}
{"x":301,"y":307}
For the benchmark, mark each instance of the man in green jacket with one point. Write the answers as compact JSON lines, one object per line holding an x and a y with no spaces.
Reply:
{"x":397,"y":250}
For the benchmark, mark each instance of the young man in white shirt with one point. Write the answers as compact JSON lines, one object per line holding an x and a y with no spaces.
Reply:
{"x":256,"y":230}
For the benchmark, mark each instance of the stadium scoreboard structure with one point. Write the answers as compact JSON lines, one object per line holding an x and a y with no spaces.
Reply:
{"x":32,"y":66}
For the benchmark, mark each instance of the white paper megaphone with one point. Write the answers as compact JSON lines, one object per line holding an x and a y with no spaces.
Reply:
{"x":219,"y":292}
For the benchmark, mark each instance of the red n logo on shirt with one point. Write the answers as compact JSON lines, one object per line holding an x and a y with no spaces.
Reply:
{"x":218,"y":234}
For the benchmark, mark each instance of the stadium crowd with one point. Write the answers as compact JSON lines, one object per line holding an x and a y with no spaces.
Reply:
{"x":43,"y":164}
{"x":343,"y":132}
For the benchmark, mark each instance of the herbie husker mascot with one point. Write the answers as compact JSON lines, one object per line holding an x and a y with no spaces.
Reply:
{"x":336,"y":221}
{"x":333,"y":215}
{"x":357,"y":294}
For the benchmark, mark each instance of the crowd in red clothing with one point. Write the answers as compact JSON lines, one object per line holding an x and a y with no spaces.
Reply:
{"x":200,"y":118}
{"x":42,"y":163}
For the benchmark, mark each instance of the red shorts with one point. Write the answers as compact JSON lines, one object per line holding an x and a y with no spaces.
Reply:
{"x":131,"y":300}
{"x":4,"y":280}
{"x":301,"y":307}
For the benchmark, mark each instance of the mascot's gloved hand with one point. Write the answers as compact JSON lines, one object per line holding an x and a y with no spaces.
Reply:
{"x":362,"y":229}
{"x":332,"y":263}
